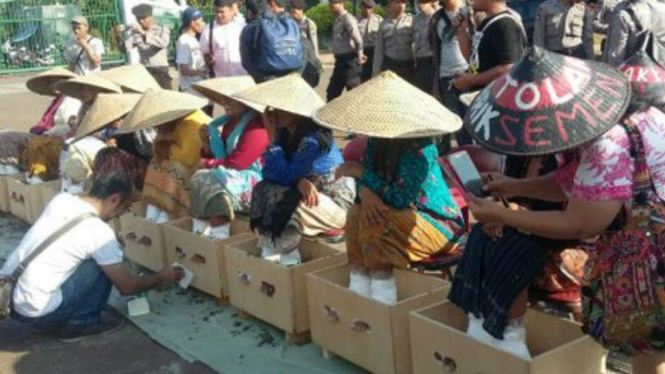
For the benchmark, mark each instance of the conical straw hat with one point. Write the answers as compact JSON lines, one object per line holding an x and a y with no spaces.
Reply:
{"x":468,"y":98}
{"x":132,"y":78}
{"x":106,"y":109}
{"x":41,"y":83}
{"x":289,"y":93}
{"x":218,"y":89}
{"x":76,"y":86}
{"x":158,"y":107}
{"x":388,"y":107}
{"x":548,"y":103}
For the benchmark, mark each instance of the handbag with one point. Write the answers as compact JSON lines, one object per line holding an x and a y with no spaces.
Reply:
{"x":624,"y":293}
{"x":7,"y":283}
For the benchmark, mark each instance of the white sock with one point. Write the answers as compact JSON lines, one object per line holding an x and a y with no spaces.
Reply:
{"x":477,"y":331}
{"x":290,"y":259}
{"x":360,"y":282}
{"x":163,"y":217}
{"x":34,"y":180}
{"x":514,"y":340}
{"x":384,"y":290}
{"x":220,"y":232}
{"x":152,"y":213}
{"x":3,"y":170}
{"x":268,"y":251}
{"x":75,"y":188}
{"x":200,"y":227}
{"x":11,"y":170}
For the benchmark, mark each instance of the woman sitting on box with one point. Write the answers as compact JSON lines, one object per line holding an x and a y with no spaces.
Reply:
{"x":12,"y":144}
{"x":299,"y":194}
{"x":89,"y":156}
{"x":177,"y":149}
{"x":232,"y":149}
{"x":62,"y":111}
{"x":406,"y":212}
{"x":597,"y":184}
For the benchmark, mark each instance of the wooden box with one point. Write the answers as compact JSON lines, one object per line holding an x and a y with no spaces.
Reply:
{"x":274,"y":293}
{"x":440,"y":344}
{"x":206,"y":258}
{"x":384,"y":347}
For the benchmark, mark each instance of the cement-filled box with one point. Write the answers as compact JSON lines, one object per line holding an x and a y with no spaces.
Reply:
{"x":557,"y":346}
{"x":144,"y":240}
{"x":274,"y":293}
{"x":382,"y":345}
{"x":205,"y":257}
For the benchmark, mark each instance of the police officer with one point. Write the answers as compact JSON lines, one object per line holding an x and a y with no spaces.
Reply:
{"x":622,"y":39}
{"x":152,"y":42}
{"x":394,"y":45}
{"x":347,"y":46}
{"x":368,"y":23}
{"x":423,"y":50}
{"x":566,"y":27}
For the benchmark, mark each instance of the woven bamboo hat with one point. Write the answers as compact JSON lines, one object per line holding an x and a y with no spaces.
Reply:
{"x":289,"y":93}
{"x":106,"y":109}
{"x":646,"y":72}
{"x":388,"y":107}
{"x":548,"y":103}
{"x":468,"y":98}
{"x":41,"y":83}
{"x":132,"y":78}
{"x":158,"y":107}
{"x":94,"y":83}
{"x":218,"y":89}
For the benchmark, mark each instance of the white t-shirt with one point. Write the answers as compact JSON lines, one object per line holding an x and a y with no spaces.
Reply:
{"x":188,"y":53}
{"x":83,"y":66}
{"x":225,"y":47}
{"x":37,"y":292}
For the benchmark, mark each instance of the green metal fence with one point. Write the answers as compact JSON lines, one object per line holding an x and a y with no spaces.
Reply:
{"x":33,"y":33}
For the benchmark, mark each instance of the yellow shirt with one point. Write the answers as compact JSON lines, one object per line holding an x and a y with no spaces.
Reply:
{"x":185,"y":142}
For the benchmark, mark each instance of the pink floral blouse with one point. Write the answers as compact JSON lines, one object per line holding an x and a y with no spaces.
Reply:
{"x":605,"y":168}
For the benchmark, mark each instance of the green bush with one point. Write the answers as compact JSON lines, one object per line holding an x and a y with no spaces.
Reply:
{"x":325,"y":19}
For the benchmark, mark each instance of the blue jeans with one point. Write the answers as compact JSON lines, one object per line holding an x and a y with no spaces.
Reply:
{"x":84,"y":295}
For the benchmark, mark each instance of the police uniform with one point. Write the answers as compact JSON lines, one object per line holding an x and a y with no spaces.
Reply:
{"x":423,"y":52}
{"x":602,"y":17}
{"x":394,"y":47}
{"x":564,"y":28}
{"x":347,"y":45}
{"x":622,"y":38}
{"x":152,"y":47}
{"x":369,"y":29}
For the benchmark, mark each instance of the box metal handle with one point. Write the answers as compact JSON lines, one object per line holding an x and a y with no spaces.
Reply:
{"x":449,"y":365}
{"x":360,"y":326}
{"x":244,"y":278}
{"x":331,"y":314}
{"x":268,"y":289}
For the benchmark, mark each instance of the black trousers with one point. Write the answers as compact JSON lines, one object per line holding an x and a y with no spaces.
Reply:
{"x":162,"y":76}
{"x":449,"y":95}
{"x":403,"y":68}
{"x":425,"y":74}
{"x":345,"y":75}
{"x":367,"y":67}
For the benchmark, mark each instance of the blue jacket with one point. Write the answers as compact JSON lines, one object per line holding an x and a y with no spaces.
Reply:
{"x":306,"y":161}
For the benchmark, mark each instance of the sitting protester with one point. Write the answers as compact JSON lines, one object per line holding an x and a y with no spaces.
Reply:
{"x":232,"y":149}
{"x":299,"y":194}
{"x":406,"y":211}
{"x":41,"y":158}
{"x":93,"y":136}
{"x":12,"y":146}
{"x":63,"y":109}
{"x":65,"y":289}
{"x":177,"y":149}
{"x":509,"y":249}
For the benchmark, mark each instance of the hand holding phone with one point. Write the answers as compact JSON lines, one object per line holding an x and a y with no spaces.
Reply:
{"x":466,"y":173}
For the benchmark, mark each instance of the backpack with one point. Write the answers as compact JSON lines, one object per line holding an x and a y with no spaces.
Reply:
{"x":647,"y":41}
{"x":277,"y":40}
{"x":311,"y":72}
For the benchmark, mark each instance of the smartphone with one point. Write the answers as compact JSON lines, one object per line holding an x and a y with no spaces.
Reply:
{"x":467,"y":173}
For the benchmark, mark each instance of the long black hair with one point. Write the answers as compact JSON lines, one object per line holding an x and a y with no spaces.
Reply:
{"x":306,"y":126}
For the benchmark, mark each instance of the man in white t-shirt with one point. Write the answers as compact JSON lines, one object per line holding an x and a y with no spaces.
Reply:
{"x":222,"y":51}
{"x":189,"y":57}
{"x":83,"y":51}
{"x":66,"y":288}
